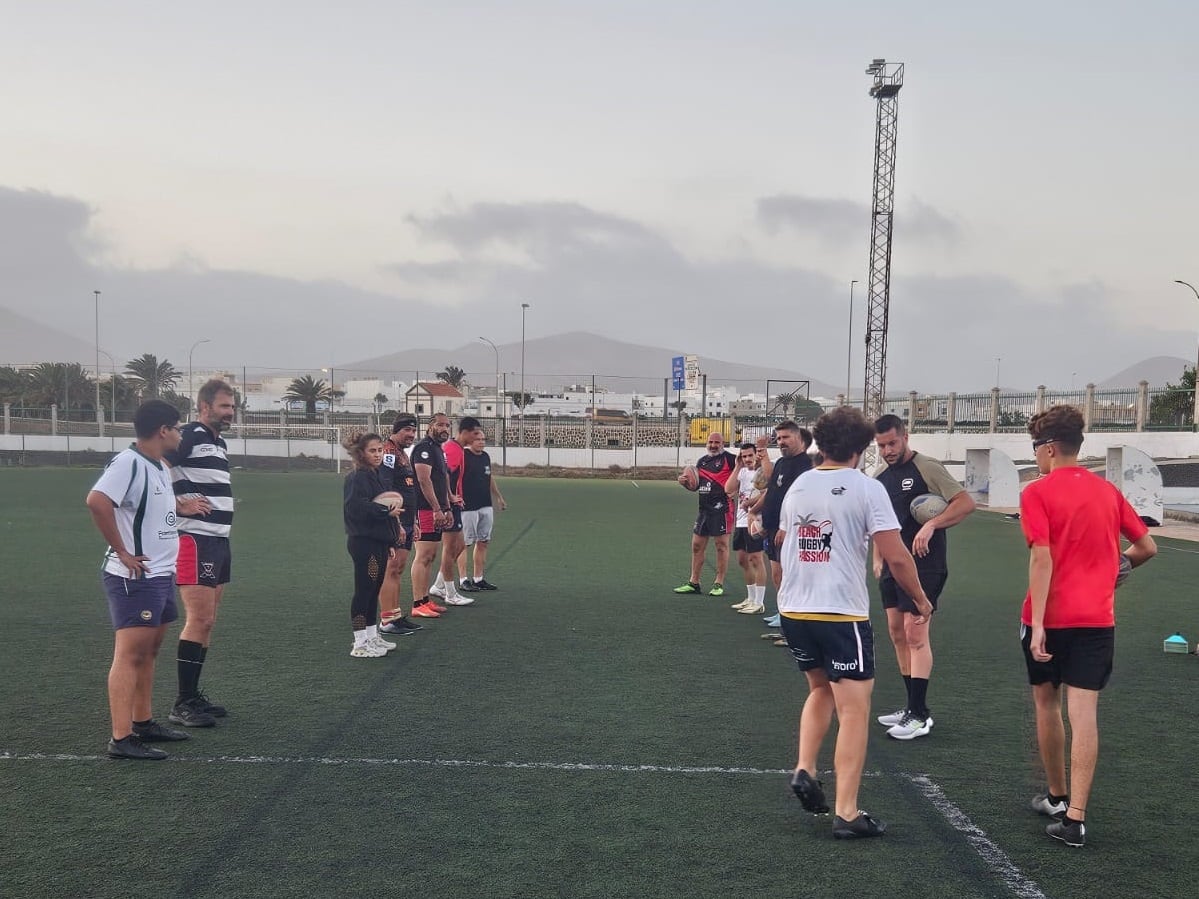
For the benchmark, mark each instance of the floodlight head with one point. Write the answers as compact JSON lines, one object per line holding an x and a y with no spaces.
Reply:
{"x":878,"y":62}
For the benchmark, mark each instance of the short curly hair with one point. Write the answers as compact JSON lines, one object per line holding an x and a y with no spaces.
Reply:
{"x":355,"y":443}
{"x":843,"y":433}
{"x":1063,"y":425}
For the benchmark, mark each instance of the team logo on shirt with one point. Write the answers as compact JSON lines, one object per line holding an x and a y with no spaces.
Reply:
{"x":389,"y":460}
{"x":171,"y":519}
{"x":424,"y":454}
{"x":837,"y":491}
{"x":814,"y":539}
{"x":907,"y":484}
{"x":779,"y":481}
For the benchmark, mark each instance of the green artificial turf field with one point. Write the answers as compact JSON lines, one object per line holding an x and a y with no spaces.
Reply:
{"x":582,"y":732}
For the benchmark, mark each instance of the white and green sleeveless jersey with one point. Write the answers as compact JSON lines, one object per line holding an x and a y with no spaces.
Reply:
{"x":140,"y":488}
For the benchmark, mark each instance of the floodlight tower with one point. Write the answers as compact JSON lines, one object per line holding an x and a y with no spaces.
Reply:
{"x":887,"y":80}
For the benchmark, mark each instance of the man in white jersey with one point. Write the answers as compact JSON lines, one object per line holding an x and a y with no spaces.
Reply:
{"x":135,"y":511}
{"x":828,"y":518}
{"x":740,"y":491}
{"x":200,"y":467}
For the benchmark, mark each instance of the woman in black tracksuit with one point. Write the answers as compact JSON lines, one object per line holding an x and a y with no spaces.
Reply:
{"x":372,"y":528}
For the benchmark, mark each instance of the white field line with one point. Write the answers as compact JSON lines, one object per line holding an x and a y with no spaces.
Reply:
{"x":993,"y":857}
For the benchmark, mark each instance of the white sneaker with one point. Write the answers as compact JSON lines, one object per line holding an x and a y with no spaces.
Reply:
{"x":437,"y":591}
{"x":459,"y":600}
{"x":752,"y":610}
{"x":741,"y":605}
{"x":368,"y":651}
{"x":910,"y":728}
{"x":1042,"y":806}
{"x":892,"y":719}
{"x":387,"y":645}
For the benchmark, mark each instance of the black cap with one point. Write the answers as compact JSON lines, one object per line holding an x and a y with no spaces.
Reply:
{"x":403,"y":420}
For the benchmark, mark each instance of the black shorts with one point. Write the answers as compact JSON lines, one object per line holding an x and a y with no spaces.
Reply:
{"x":768,"y":547}
{"x":408,"y":523}
{"x":712,"y":523}
{"x":203,"y":561}
{"x":933,"y":583}
{"x":743,"y":542}
{"x":1082,"y":656}
{"x":456,"y":527}
{"x":842,"y":649}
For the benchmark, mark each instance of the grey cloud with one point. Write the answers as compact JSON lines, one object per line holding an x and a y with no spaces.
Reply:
{"x":838,"y":221}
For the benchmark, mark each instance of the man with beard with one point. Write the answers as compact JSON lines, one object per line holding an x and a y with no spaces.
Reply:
{"x":715,"y":517}
{"x":398,"y":473}
{"x":433,"y":512}
{"x":200,"y":467}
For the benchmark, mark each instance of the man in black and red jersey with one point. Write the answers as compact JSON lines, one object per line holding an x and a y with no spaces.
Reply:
{"x":398,"y":467}
{"x":452,"y":541}
{"x":715,"y":517}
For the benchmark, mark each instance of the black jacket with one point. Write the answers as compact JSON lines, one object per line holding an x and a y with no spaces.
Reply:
{"x":363,"y":516}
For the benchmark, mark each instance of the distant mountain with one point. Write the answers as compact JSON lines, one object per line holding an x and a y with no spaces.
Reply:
{"x":26,"y":342}
{"x":1158,"y":371}
{"x":552,"y":363}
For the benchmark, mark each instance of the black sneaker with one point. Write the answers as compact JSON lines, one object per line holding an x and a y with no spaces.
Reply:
{"x":811,"y":796}
{"x":468,"y":586}
{"x":133,"y":748}
{"x":400,"y":627}
{"x":484,"y":584}
{"x":190,"y":713}
{"x":153,"y":732}
{"x":216,"y":711}
{"x":1072,"y":833}
{"x":861,"y":826}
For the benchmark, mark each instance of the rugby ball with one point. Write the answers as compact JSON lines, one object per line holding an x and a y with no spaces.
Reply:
{"x":690,"y":478}
{"x":926,"y":507}
{"x":390,"y":500}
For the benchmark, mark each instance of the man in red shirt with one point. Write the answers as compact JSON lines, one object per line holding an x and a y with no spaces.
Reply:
{"x":1073,"y":521}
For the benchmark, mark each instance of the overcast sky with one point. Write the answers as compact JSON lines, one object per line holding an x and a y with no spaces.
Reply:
{"x":336,"y":181}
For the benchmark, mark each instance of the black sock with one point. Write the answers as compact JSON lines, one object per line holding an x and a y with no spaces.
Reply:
{"x":1068,"y":820}
{"x":145,"y":723}
{"x":1056,"y":799}
{"x":916,"y":697}
{"x":190,"y":661}
{"x":203,"y":655}
{"x":907,"y":688}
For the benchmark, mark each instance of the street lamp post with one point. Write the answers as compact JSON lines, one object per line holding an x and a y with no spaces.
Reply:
{"x":497,"y":374}
{"x":113,"y":363}
{"x":998,"y":360}
{"x":1195,"y":409}
{"x":523,"y":308}
{"x":99,"y":412}
{"x":849,"y":349}
{"x":190,"y":386}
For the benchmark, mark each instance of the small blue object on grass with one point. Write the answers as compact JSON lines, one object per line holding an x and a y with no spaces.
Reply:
{"x":1176,"y":643}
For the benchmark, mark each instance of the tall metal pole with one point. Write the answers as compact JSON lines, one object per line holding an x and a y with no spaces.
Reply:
{"x":998,"y":360}
{"x":1195,"y":409}
{"x":849,"y":349}
{"x":113,"y":363}
{"x":190,"y":386}
{"x":523,"y":308}
{"x":497,"y":375}
{"x":99,"y":411}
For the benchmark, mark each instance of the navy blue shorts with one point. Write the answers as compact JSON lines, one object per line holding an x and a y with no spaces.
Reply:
{"x":842,"y":649}
{"x":140,"y":602}
{"x":456,"y":527}
{"x":408,"y":523}
{"x":204,"y":560}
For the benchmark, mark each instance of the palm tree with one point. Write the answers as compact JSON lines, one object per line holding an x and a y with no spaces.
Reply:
{"x":520,"y":400}
{"x":60,"y":383}
{"x":453,"y":375}
{"x":13,"y":384}
{"x":308,"y":391}
{"x":380,"y":401}
{"x":151,"y":377}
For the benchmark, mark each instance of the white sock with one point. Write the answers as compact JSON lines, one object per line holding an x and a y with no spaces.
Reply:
{"x":478,"y":575}
{"x":372,"y":633}
{"x":440,"y":582}
{"x":360,"y":637}
{"x":760,"y":595}
{"x":465,"y":581}
{"x":451,"y":588}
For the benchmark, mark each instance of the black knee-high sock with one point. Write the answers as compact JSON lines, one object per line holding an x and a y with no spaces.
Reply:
{"x":917,"y":697}
{"x":190,"y":661}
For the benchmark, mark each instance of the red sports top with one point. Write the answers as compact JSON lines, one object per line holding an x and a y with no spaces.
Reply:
{"x":1080,"y":517}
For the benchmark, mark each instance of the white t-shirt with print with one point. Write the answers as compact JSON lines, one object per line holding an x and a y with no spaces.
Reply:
{"x":141,"y":489}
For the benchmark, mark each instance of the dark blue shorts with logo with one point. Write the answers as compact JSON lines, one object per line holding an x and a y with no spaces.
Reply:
{"x":139,"y":602}
{"x":842,"y":649}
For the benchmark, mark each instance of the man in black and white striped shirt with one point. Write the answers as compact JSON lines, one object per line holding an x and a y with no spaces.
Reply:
{"x":200,"y":466}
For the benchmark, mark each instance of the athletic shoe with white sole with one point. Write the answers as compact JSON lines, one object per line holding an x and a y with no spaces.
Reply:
{"x":399,"y":627}
{"x":774,"y":621}
{"x":892,"y":719}
{"x":751,"y":610}
{"x":437,"y":591}
{"x":458,"y":599}
{"x":1072,"y":833}
{"x":484,"y":584}
{"x":387,"y":645}
{"x":1043,"y":805}
{"x":743,"y":604}
{"x":368,"y":651}
{"x":911,"y":727}
{"x":717,"y":590}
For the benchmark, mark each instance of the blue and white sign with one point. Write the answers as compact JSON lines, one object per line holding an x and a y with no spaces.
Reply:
{"x":678,"y":373}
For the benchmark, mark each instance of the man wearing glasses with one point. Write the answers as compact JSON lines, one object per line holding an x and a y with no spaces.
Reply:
{"x":1073,"y":520}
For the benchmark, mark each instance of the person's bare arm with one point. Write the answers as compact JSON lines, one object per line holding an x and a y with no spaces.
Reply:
{"x":104,"y":516}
